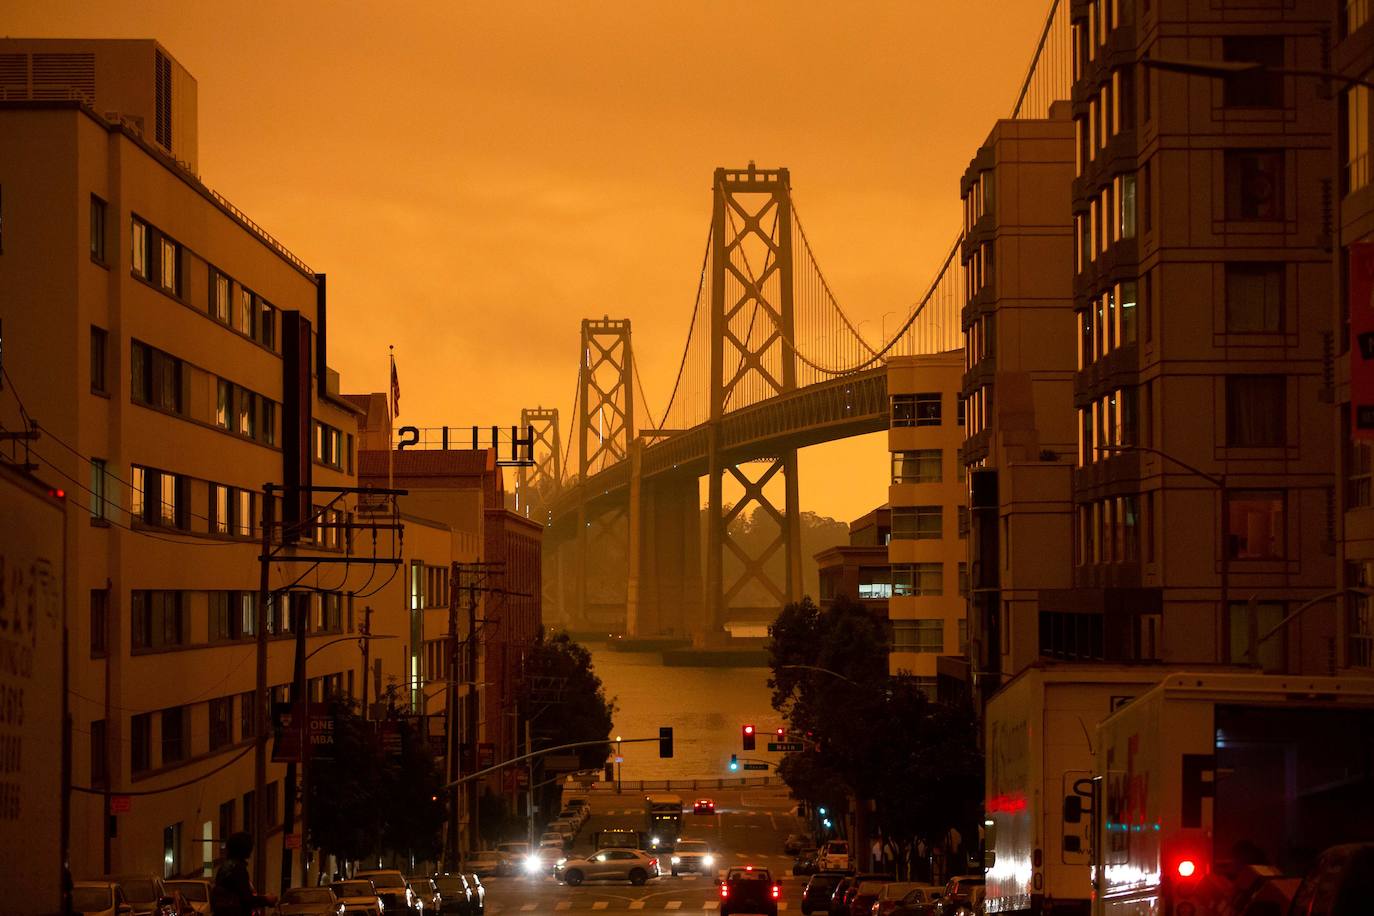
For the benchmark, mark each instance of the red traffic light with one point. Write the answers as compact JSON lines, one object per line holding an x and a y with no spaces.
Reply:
{"x":748,"y":729}
{"x":782,"y":732}
{"x":1186,"y":868}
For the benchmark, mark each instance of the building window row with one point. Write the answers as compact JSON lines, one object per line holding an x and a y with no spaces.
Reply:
{"x":155,"y":257}
{"x":1111,"y":216}
{"x":980,"y":340}
{"x":332,"y":447}
{"x":919,"y":466}
{"x":917,"y":523}
{"x":980,"y":199}
{"x":1108,"y":425}
{"x":917,"y":580}
{"x":159,"y":498}
{"x":233,"y":511}
{"x":1111,"y":110}
{"x":238,"y":307}
{"x":436,"y":586}
{"x":1110,"y":530}
{"x":245,"y":412}
{"x":922,"y":409}
{"x":979,"y":270}
{"x":156,"y":378}
{"x":977,"y":408}
{"x":918,"y":635}
{"x":1089,"y":35}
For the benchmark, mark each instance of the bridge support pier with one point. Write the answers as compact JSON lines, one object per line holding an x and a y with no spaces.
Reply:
{"x":664,"y":591}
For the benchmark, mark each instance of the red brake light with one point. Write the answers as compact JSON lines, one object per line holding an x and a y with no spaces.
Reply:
{"x":1186,"y":868}
{"x":776,"y":889}
{"x":725,"y":890}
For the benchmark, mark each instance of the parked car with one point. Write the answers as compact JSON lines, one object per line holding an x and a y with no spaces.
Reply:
{"x":564,"y":828}
{"x":309,"y":901}
{"x":808,"y":861}
{"x":195,"y":892}
{"x":835,"y":855}
{"x":962,"y":884}
{"x":693,"y":856}
{"x":427,"y":892}
{"x":816,"y":896}
{"x":1340,"y":884}
{"x":847,"y":888}
{"x":919,"y":901}
{"x":99,"y":898}
{"x":477,"y":894}
{"x":749,"y":890}
{"x":145,"y":894}
{"x":513,"y":856}
{"x":967,"y":904}
{"x":359,"y":897}
{"x":397,"y":897}
{"x":865,"y":895}
{"x":631,"y":865}
{"x":572,"y":816}
{"x":488,"y":862}
{"x":544,"y":860}
{"x":794,"y":842}
{"x":704,"y":806}
{"x":455,"y":898}
{"x":579,"y":802}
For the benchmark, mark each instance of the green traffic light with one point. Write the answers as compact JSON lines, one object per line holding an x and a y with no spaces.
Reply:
{"x":821,"y":812}
{"x":734,"y":763}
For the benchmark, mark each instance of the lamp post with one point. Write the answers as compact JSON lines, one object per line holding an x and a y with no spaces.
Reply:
{"x":1299,"y":611}
{"x":1216,"y":480}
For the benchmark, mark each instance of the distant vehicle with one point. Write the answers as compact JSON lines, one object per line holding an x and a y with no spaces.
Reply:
{"x":693,"y":856}
{"x":309,"y":901}
{"x":963,"y":884}
{"x":1261,"y":750}
{"x":795,"y":841}
{"x":455,"y":895}
{"x":514,"y":848}
{"x":145,"y":894}
{"x":573,"y":816}
{"x":847,"y":888}
{"x":396,"y":895}
{"x":704,"y":806}
{"x":834,"y":856}
{"x":919,"y":901}
{"x":359,"y":897}
{"x":891,"y":895}
{"x":195,"y":892}
{"x":816,"y":896}
{"x":544,"y":860}
{"x":553,"y":838}
{"x":865,"y":896}
{"x":427,"y":892}
{"x":618,"y":838}
{"x":486,"y":862}
{"x":633,"y":865}
{"x":749,"y":890}
{"x":808,"y":861}
{"x":579,"y":803}
{"x":566,"y":828}
{"x":513,"y":856}
{"x":99,"y":898}
{"x":662,"y":819}
{"x":966,"y":904}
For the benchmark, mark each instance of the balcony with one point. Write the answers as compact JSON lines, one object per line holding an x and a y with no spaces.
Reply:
{"x":981,"y":373}
{"x":1118,"y":369}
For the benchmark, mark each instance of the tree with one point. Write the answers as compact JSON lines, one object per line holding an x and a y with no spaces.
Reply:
{"x":869,"y":735}
{"x":565,"y":701}
{"x":346,"y":813}
{"x":414,"y":798}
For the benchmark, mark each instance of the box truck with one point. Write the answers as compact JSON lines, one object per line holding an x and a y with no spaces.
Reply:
{"x":1039,"y":745}
{"x":1208,"y":780}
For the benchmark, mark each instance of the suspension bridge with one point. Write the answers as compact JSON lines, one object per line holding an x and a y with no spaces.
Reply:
{"x":772,"y":364}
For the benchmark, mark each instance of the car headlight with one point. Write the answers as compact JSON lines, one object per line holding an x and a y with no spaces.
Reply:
{"x":533,"y":864}
{"x":676,"y":860}
{"x":708,"y":859}
{"x":654,"y":840}
{"x":562,"y":862}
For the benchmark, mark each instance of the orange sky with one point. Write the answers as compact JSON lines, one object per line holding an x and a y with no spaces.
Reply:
{"x":477,"y":178}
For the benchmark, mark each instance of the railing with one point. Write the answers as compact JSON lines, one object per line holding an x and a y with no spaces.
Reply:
{"x":643,"y":785}
{"x":265,"y":236}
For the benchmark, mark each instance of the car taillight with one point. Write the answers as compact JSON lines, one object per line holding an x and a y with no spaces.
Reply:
{"x":724,"y":891}
{"x":776,"y":890}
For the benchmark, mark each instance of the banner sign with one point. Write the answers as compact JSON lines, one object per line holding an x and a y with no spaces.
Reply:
{"x":1361,"y":284}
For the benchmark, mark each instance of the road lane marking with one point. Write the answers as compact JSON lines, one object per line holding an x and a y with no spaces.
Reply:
{"x":528,"y":907}
{"x":673,"y":905}
{"x":601,"y":904}
{"x":564,"y":905}
{"x":636,"y":904}
{"x":711,"y":905}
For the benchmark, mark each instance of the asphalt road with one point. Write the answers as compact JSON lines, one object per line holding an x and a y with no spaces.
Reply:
{"x":748,"y":828}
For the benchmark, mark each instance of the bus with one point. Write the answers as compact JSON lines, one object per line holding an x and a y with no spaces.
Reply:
{"x":618,"y":838}
{"x":662,"y":820}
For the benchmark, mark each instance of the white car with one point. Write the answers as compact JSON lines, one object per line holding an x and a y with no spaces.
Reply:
{"x":358,"y":897}
{"x":553,"y":838}
{"x":564,"y":828}
{"x":693,"y":856}
{"x":195,"y":891}
{"x":99,"y":898}
{"x":834,"y":856}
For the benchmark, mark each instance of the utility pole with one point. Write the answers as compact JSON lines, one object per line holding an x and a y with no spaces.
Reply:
{"x":529,"y":786}
{"x":269,"y":521}
{"x":367,"y":644}
{"x":451,"y":717}
{"x":472,"y":711}
{"x":300,"y":719}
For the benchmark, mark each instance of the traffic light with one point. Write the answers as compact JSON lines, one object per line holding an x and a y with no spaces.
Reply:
{"x":747,"y":732}
{"x":781,"y":733}
{"x":734,"y":763}
{"x":821,"y":812}
{"x":665,"y":741}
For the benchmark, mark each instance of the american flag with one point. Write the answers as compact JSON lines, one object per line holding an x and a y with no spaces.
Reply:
{"x":395,"y":390}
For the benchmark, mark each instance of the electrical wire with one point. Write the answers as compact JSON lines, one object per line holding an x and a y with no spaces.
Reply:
{"x":88,"y":790}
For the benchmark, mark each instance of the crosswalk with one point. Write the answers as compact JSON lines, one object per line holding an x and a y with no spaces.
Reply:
{"x":590,"y":903}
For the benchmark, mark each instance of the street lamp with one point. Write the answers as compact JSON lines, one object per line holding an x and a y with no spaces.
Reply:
{"x":822,"y":671}
{"x":1220,"y":69}
{"x":1298,"y":611}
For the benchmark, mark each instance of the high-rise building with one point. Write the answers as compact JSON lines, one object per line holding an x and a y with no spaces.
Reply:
{"x":1203,"y":492}
{"x":1018,"y":385}
{"x":929,"y":519}
{"x":859,"y":570}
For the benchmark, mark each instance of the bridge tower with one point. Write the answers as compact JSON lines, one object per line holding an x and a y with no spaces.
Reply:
{"x":605,"y":429}
{"x":752,"y":358}
{"x":536,"y":487}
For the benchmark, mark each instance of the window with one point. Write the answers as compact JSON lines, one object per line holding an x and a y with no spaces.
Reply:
{"x":100,"y":620}
{"x":916,"y":409}
{"x":918,"y":635}
{"x":1071,"y":636}
{"x":170,"y":262}
{"x":100,"y":771}
{"x":247,"y":422}
{"x":141,"y":742}
{"x":268,"y":427}
{"x":1359,"y":469}
{"x":99,"y":339}
{"x":1146,"y":210}
{"x":1254,"y":298}
{"x":171,"y":846}
{"x":963,"y":579}
{"x":1356,"y":15}
{"x":267,"y":325}
{"x":248,"y":720}
{"x":1255,"y":524}
{"x":328,"y":445}
{"x":1247,"y":623}
{"x":1127,"y":311}
{"x":875,"y":582}
{"x":97,"y":230}
{"x":220,"y":290}
{"x":963,"y":521}
{"x":922,"y":466}
{"x":1254,"y":184}
{"x":916,"y":523}
{"x":139,"y":250}
{"x":155,"y":378}
{"x":157,"y":619}
{"x":1127,"y":204}
{"x":1255,"y":89}
{"x":99,"y":497}
{"x":1356,"y":167}
{"x":176,"y":737}
{"x":922,"y":580}
{"x":221,"y":722}
{"x":159,"y":498}
{"x":1256,"y":411}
